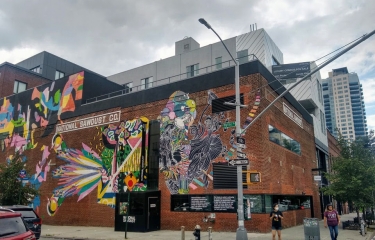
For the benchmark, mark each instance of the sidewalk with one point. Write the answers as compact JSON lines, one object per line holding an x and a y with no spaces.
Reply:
{"x":105,"y":233}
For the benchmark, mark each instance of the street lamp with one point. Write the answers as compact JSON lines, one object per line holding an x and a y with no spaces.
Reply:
{"x":241,"y":233}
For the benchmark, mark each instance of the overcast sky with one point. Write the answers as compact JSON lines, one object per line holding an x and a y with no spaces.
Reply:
{"x":108,"y":37}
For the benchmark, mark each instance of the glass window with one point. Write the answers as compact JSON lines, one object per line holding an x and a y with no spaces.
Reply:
{"x":11,"y":227}
{"x":242,"y":56}
{"x":192,"y":70}
{"x":37,"y":69}
{"x":146,"y":83}
{"x":274,"y":61}
{"x":128,"y":87}
{"x":19,"y":86}
{"x":283,"y":140}
{"x":218,"y":62}
{"x":59,"y":75}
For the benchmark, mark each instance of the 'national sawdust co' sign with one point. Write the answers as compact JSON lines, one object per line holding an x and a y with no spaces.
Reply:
{"x":89,"y":122}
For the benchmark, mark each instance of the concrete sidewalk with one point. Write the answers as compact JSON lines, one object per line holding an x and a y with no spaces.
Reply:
{"x":105,"y":233}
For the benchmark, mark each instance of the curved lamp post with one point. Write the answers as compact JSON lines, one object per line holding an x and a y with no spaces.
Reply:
{"x":241,"y":233}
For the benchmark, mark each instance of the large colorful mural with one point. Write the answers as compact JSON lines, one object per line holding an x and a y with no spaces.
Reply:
{"x":187,"y":149}
{"x":20,"y":117}
{"x":117,"y":165}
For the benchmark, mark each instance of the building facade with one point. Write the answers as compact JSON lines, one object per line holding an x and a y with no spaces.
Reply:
{"x":191,"y":60}
{"x":51,"y":66}
{"x":310,"y":95}
{"x":168,"y":147}
{"x":344,"y":104}
{"x":15,"y":79}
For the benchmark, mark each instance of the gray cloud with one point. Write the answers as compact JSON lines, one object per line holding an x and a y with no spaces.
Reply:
{"x":113,"y":36}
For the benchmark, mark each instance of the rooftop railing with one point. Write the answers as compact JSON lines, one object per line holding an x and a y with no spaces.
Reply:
{"x":171,"y":79}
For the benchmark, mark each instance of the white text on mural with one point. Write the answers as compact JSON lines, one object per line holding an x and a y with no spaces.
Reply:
{"x":89,"y":122}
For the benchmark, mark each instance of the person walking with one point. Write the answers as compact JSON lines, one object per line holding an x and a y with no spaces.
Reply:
{"x":332,"y":220}
{"x":276,"y":217}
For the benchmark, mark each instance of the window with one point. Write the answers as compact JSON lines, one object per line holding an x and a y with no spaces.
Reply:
{"x":59,"y":75}
{"x":128,"y":87}
{"x":342,"y":108}
{"x":192,"y":70}
{"x":218,"y":62}
{"x":322,"y":122}
{"x":339,"y":88}
{"x":186,"y":47}
{"x":19,"y":86}
{"x":339,"y":92}
{"x":274,"y":61}
{"x":37,"y":69}
{"x":146,"y":82}
{"x":242,"y":56}
{"x":280,"y":138}
{"x":219,"y":106}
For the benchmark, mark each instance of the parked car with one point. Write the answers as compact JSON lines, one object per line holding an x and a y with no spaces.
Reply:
{"x":33,"y":221}
{"x":12,"y":226}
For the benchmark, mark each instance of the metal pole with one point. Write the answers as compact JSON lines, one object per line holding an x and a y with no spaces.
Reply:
{"x":127,"y":215}
{"x":241,"y":233}
{"x":209,"y":233}
{"x":308,"y":75}
{"x":182,"y":232}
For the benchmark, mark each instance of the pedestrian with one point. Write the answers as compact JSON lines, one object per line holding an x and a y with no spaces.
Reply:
{"x":332,"y":220}
{"x":276,"y":217}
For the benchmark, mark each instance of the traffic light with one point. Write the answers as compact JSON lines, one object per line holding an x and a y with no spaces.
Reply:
{"x":252,"y":177}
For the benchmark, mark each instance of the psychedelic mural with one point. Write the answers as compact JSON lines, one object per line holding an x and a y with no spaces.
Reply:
{"x":18,"y":123}
{"x":117,"y":164}
{"x":187,"y":150}
{"x":20,"y":116}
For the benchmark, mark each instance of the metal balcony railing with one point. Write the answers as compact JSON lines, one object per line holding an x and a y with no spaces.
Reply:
{"x":171,"y":79}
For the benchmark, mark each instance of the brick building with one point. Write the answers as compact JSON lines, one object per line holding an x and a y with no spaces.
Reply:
{"x":15,"y":79}
{"x":167,"y":146}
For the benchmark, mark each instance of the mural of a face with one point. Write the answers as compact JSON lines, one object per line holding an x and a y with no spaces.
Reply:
{"x":185,"y":163}
{"x":112,"y":167}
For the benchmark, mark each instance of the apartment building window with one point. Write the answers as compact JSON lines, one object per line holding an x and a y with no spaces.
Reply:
{"x":59,"y":75}
{"x":37,"y":69}
{"x":345,"y":86}
{"x":128,"y":87}
{"x":19,"y":86}
{"x":146,"y":82}
{"x":242,"y":56}
{"x":322,"y":122}
{"x":192,"y":70}
{"x":274,"y":61}
{"x":218,"y":62}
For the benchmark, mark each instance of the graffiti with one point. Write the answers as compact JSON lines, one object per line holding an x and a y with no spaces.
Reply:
{"x":187,"y":150}
{"x":116,"y":165}
{"x":184,"y":162}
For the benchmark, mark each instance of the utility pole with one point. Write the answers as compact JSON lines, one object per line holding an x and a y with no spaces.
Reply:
{"x":241,"y":233}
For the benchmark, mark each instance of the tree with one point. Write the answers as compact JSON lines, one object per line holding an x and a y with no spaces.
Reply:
{"x":352,"y":178}
{"x":12,"y":190}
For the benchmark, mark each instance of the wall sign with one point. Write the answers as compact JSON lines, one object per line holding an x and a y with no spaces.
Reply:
{"x":89,"y":122}
{"x":292,"y":115}
{"x":225,"y":203}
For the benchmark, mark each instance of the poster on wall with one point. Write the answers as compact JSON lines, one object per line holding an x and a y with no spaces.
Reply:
{"x":225,"y":203}
{"x":123,"y":208}
{"x":200,"y":203}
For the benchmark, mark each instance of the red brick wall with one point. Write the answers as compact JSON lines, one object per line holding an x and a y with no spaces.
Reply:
{"x":283,"y":171}
{"x":9,"y":74}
